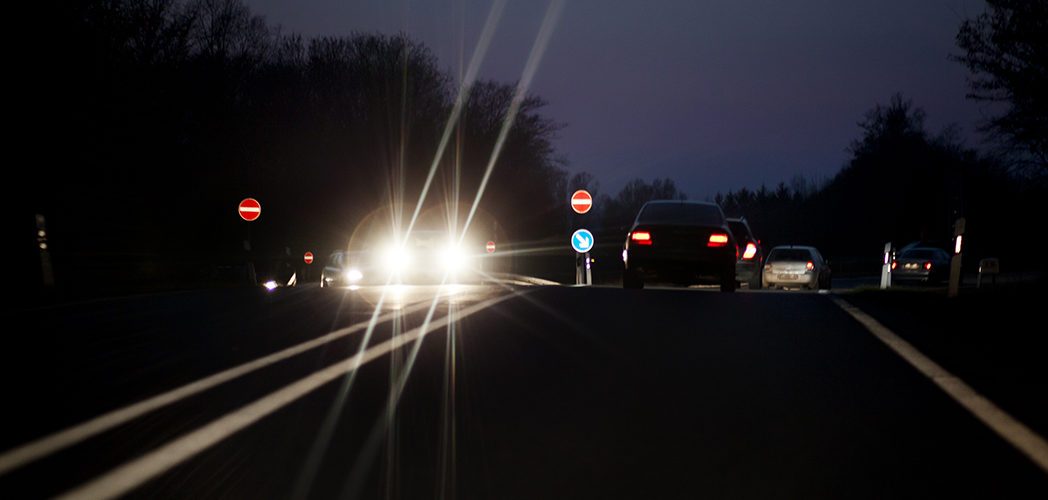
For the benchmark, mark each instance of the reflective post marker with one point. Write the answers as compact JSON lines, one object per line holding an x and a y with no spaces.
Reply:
{"x":955,"y":260}
{"x":886,"y":266}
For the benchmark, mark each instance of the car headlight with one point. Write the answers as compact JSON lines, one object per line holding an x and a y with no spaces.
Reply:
{"x":397,"y":259}
{"x":454,"y":259}
{"x":354,"y":275}
{"x":270,"y":285}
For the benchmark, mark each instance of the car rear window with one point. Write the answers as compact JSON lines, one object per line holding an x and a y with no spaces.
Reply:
{"x":789,"y":255}
{"x":699,"y":214}
{"x":918,"y":253}
{"x":739,"y":230}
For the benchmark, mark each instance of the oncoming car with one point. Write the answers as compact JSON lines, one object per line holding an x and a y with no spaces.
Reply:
{"x":424,"y":256}
{"x":796,"y":267}
{"x":680,"y":242}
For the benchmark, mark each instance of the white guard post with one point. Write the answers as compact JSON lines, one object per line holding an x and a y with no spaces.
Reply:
{"x":989,"y":267}
{"x":955,"y":261}
{"x":886,"y":266}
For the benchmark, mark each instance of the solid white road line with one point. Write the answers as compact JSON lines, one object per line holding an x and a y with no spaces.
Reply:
{"x":1013,"y":431}
{"x":52,"y":443}
{"x":133,"y":474}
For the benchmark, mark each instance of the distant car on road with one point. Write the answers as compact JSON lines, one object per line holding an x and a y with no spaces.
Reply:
{"x":679,"y":242}
{"x":342,"y":269}
{"x":796,"y":267}
{"x":922,"y":265}
{"x":751,"y":255}
{"x":424,"y":256}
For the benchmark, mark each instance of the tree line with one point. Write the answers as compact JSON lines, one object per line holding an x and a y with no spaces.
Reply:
{"x":903,"y":183}
{"x":156,"y":117}
{"x":150,"y":119}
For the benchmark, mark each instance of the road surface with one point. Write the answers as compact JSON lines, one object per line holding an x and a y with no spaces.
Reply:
{"x":495,"y":392}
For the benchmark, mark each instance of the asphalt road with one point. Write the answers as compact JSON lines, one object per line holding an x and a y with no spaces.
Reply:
{"x":501,"y":392}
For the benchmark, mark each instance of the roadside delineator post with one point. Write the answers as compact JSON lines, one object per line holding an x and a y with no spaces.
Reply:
{"x":886,"y":266}
{"x":989,"y":267}
{"x":955,"y":260}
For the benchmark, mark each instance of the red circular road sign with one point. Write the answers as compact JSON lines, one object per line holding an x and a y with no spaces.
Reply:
{"x":249,"y":209}
{"x":581,"y":201}
{"x":491,"y":247}
{"x":308,"y":257}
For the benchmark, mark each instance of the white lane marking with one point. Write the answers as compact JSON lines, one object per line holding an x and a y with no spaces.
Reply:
{"x":70,"y":436}
{"x":133,"y":474}
{"x":1011,"y":430}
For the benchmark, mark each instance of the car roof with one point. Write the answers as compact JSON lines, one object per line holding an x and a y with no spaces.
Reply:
{"x":682,"y":202}
{"x":802,"y":247}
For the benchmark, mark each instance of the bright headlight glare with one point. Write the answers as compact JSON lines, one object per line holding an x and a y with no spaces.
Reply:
{"x":397,"y":258}
{"x":270,"y":285}
{"x":354,"y":275}
{"x":453,"y":258}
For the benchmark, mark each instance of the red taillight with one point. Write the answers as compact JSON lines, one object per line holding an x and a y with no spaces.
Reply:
{"x":927,"y":266}
{"x":894,"y":264}
{"x":641,"y":237}
{"x":718,"y":240}
{"x":810,"y":265}
{"x":750,"y":252}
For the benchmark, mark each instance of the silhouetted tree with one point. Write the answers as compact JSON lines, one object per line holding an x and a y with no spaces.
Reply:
{"x":622,"y":209}
{"x":196,"y":104}
{"x":1006,"y":49}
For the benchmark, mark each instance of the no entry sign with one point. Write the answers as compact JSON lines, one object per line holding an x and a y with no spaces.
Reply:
{"x":249,"y":209}
{"x":490,"y":247}
{"x":581,"y":201}
{"x":308,"y":257}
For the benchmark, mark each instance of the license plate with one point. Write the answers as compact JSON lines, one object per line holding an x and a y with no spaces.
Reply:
{"x":787,"y":276}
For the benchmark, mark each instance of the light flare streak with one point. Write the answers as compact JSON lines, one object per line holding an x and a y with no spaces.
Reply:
{"x":538,"y":50}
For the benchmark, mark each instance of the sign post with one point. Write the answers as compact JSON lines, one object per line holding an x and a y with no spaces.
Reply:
{"x":581,"y":201}
{"x":582,"y":242}
{"x":46,"y":269}
{"x":249,"y":209}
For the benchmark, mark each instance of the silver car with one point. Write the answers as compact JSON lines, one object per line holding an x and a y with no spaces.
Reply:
{"x":796,"y":267}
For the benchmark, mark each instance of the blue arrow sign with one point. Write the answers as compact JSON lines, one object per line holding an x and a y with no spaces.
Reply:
{"x":582,"y":241}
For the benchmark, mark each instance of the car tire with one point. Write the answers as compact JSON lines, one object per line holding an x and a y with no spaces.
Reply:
{"x":630,"y":280}
{"x":755,"y":282}
{"x":728,"y":281}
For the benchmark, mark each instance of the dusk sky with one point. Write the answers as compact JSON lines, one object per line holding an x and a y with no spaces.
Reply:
{"x":714,"y":95}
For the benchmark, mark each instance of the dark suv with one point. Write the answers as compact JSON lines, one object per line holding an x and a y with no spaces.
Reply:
{"x":680,"y":242}
{"x":751,"y":255}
